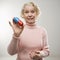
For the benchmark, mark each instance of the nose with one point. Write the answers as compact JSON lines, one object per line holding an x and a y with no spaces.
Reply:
{"x":30,"y":15}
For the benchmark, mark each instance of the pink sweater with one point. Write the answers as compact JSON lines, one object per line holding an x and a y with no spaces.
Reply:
{"x":32,"y":38}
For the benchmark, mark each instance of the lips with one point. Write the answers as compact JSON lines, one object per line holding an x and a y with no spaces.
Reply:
{"x":30,"y":18}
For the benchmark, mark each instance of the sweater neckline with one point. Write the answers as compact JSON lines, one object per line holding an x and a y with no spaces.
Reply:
{"x":31,"y":26}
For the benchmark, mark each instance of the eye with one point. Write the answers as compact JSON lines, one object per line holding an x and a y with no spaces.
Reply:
{"x":26,"y":12}
{"x":32,"y":11}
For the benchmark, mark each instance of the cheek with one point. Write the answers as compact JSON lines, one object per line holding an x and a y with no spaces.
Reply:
{"x":25,"y":15}
{"x":34,"y":14}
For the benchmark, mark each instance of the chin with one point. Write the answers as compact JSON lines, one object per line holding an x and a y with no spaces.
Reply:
{"x":31,"y":22}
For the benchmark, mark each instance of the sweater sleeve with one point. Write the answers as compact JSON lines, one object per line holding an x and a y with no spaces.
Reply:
{"x":45,"y":50}
{"x":12,"y":47}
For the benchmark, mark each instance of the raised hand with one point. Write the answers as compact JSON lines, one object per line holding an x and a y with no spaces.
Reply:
{"x":17,"y":29}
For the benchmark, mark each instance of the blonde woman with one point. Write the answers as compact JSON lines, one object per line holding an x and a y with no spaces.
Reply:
{"x":29,"y":42}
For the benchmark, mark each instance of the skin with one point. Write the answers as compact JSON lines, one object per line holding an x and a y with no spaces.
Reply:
{"x":17,"y":29}
{"x":30,"y":16}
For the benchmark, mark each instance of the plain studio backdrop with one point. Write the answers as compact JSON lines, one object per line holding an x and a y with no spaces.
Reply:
{"x":49,"y":18}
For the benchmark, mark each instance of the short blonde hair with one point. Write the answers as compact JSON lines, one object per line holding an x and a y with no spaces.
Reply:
{"x":30,"y":3}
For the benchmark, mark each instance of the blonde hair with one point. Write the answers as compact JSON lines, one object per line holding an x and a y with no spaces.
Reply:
{"x":30,"y":3}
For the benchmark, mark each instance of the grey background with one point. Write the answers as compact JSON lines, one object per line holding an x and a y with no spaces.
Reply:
{"x":49,"y":18}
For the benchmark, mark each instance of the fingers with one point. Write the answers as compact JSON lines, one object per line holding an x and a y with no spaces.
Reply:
{"x":38,"y":52}
{"x":32,"y":54}
{"x":17,"y":29}
{"x":10,"y":23}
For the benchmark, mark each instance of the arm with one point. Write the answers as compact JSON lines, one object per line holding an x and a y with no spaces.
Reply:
{"x":12,"y":48}
{"x":45,"y":50}
{"x":17,"y":29}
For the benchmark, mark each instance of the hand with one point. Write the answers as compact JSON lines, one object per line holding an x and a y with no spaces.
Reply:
{"x":35,"y":55}
{"x":17,"y":29}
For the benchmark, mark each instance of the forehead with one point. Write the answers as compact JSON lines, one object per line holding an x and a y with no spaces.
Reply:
{"x":29,"y":7}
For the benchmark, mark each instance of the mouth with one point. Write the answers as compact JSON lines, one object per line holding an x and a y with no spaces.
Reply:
{"x":30,"y":18}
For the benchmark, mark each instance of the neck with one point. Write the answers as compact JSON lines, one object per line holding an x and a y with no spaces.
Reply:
{"x":31,"y":24}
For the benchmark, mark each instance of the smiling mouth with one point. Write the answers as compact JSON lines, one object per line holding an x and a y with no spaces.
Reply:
{"x":30,"y":18}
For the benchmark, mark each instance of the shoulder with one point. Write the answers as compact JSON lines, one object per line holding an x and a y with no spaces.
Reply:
{"x":42,"y":29}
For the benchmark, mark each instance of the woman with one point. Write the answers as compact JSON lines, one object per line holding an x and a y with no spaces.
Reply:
{"x":29,"y":42}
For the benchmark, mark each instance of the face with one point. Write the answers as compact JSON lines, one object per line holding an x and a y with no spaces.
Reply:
{"x":29,"y":14}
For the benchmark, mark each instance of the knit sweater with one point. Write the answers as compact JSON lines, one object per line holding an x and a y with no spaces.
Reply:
{"x":33,"y":38}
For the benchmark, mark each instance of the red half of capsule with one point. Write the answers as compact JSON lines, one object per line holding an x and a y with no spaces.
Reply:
{"x":20,"y":23}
